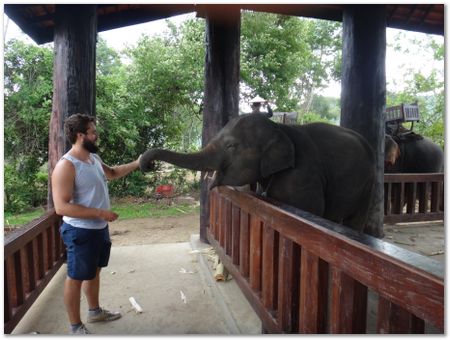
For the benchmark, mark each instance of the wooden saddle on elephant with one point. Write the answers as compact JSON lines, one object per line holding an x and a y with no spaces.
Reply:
{"x":395,"y":116}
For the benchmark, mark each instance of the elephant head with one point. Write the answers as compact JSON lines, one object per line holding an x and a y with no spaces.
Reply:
{"x":412,"y":153}
{"x":391,"y":151}
{"x":247,"y":149}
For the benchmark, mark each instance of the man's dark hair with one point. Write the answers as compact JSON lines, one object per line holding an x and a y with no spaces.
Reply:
{"x":77,"y":123}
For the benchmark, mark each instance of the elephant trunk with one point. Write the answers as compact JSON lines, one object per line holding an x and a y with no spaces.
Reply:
{"x":206,"y":159}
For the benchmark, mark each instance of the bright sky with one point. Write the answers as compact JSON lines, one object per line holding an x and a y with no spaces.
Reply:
{"x":119,"y":38}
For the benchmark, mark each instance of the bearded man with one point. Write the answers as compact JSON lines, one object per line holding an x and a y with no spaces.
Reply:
{"x":80,"y":195}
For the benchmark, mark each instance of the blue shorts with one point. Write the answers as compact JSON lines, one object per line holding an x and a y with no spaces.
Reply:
{"x":87,"y":250}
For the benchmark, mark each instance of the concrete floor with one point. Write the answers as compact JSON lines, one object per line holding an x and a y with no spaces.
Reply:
{"x":153,"y":275}
{"x":425,"y":238}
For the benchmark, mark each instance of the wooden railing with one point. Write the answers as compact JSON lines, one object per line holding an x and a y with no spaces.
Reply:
{"x":413,"y":197}
{"x":304,"y":274}
{"x":32,"y":256}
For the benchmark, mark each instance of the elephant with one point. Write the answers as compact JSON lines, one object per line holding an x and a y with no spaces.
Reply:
{"x":412,"y":153}
{"x":320,"y":168}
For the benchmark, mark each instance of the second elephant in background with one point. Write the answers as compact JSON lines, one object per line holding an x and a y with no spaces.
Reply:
{"x":412,"y":153}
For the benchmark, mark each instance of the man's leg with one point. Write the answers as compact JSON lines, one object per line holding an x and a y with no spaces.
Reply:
{"x":72,"y":294}
{"x":91,"y":289}
{"x":72,"y":287}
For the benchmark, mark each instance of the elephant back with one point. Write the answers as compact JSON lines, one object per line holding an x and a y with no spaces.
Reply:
{"x":421,"y":156}
{"x":407,"y":137}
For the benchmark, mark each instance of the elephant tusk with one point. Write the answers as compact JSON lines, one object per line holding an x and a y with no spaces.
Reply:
{"x":213,"y":181}
{"x":213,"y":177}
{"x":210,"y":176}
{"x":206,"y":175}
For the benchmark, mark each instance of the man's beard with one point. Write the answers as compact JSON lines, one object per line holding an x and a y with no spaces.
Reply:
{"x":90,"y":146}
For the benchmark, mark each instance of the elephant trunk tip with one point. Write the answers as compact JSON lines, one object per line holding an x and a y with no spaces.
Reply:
{"x":146,"y":166}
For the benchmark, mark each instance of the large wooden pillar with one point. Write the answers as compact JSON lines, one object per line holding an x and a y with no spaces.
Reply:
{"x":75,"y":38}
{"x":221,"y":101}
{"x":363,"y":96}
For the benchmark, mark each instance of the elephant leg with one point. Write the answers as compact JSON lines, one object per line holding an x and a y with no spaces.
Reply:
{"x":359,"y":219}
{"x":309,"y":202}
{"x":300,"y":191}
{"x":356,"y":222}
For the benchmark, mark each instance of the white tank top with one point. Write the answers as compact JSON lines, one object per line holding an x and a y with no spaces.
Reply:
{"x":90,"y":190}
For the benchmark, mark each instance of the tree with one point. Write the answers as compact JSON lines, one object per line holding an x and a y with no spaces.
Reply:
{"x":424,"y":86}
{"x":324,"y":109}
{"x":286,"y":59}
{"x":107,"y":59}
{"x":166,"y":74}
{"x":28,"y":94}
{"x":152,"y":101}
{"x":28,"y":91}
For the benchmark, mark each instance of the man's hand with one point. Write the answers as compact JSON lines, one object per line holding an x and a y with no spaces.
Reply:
{"x":120,"y":171}
{"x":108,"y":215}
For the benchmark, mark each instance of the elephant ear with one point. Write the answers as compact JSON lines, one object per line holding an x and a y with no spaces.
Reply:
{"x":392,"y":150}
{"x":279,"y":154}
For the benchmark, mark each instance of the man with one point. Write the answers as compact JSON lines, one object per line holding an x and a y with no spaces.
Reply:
{"x":256,"y":104}
{"x":80,"y":195}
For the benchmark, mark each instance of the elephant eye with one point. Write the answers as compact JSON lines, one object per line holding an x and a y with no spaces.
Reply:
{"x":231,"y":145}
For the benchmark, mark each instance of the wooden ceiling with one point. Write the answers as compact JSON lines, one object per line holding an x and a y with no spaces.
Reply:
{"x":37,"y":20}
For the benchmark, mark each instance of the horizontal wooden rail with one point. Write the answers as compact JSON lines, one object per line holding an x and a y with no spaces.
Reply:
{"x":413,"y":197}
{"x":32,"y":256}
{"x":304,"y":274}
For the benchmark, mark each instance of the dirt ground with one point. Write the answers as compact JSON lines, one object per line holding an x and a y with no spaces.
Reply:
{"x":154,"y":230}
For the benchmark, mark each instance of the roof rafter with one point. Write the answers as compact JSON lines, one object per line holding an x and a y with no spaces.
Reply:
{"x":38,"y":20}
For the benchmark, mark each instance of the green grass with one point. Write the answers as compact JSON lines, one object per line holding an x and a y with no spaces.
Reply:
{"x":23,"y":218}
{"x":133,"y":210}
{"x":125,"y":211}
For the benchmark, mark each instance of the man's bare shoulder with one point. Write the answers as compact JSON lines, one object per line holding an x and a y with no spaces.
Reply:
{"x":64,"y":168}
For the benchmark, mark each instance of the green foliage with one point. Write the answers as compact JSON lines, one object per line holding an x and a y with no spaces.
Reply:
{"x":323,"y":109}
{"x":424,"y":87}
{"x":117,"y":127}
{"x":28,"y":90}
{"x":286,"y":59}
{"x":166,"y":79}
{"x":107,"y":59}
{"x":154,"y":101}
{"x":24,"y":186}
{"x":28,"y":93}
{"x":182,"y":179}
